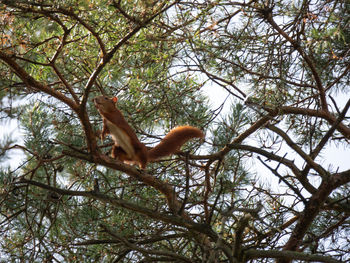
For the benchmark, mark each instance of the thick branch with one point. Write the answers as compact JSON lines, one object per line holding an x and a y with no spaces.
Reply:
{"x":165,"y":188}
{"x":30,"y":82}
{"x":36,"y":85}
{"x":314,"y":113}
{"x":312,"y":209}
{"x":240,"y":138}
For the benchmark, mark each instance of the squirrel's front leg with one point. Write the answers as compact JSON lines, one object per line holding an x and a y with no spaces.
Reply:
{"x":105,"y":130}
{"x":119,"y":154}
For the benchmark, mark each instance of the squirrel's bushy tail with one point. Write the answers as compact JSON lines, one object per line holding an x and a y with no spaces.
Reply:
{"x":173,"y":141}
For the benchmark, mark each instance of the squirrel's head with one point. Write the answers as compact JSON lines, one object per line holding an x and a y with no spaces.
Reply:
{"x":105,"y":104}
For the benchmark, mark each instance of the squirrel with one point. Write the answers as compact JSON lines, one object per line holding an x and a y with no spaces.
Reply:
{"x":127,"y":147}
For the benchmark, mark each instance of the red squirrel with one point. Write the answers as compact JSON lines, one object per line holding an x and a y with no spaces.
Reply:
{"x":127,"y":147}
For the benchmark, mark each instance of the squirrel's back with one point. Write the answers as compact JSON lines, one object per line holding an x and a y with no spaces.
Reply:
{"x":172,"y":142}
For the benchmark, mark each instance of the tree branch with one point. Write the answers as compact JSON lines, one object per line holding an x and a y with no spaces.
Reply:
{"x":308,"y":60}
{"x":314,"y":113}
{"x":172,"y":219}
{"x":255,"y":253}
{"x":30,"y":82}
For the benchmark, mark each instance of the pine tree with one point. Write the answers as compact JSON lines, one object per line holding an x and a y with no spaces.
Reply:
{"x":259,"y":188}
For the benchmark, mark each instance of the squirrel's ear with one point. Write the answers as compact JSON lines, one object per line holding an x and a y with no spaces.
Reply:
{"x":114,"y":99}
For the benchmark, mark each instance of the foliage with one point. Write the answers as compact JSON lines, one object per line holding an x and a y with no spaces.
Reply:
{"x":257,"y":189}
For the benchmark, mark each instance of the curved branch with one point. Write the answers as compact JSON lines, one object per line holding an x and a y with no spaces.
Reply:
{"x":32,"y":83}
{"x":328,"y":116}
{"x":36,"y":85}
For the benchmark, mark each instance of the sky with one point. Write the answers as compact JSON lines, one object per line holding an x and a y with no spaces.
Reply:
{"x":332,"y":156}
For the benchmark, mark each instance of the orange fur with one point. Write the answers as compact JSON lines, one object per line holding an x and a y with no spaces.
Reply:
{"x":127,"y":147}
{"x":172,"y":142}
